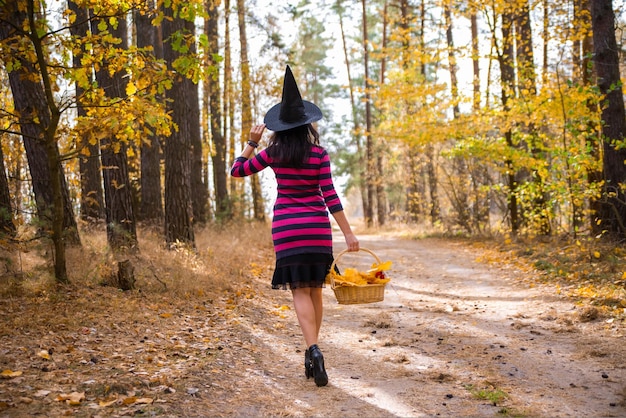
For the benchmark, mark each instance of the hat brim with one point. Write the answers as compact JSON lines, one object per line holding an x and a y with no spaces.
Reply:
{"x":272,"y":120}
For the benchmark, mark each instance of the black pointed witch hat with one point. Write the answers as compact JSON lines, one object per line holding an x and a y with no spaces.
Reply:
{"x":292,"y":111}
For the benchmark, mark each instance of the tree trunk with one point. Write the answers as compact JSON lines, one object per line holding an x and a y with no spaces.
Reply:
{"x":199,"y":190}
{"x":91,"y":196}
{"x":34,"y":101}
{"x":587,"y":73}
{"x":460,"y":203}
{"x":7,"y":226}
{"x":433,"y":185}
{"x":120,"y":216}
{"x":178,"y":202}
{"x":370,"y":162}
{"x":505,"y":59}
{"x":222,"y":201}
{"x":528,"y":90}
{"x":381,"y":195}
{"x":475,"y":62}
{"x":356,"y":135}
{"x":246,"y":108}
{"x":613,"y":211}
{"x":546,"y":42}
{"x":151,"y":203}
{"x":452,"y":65}
{"x":30,"y":102}
{"x":414,"y":191}
{"x":125,"y":279}
{"x":236,"y":187}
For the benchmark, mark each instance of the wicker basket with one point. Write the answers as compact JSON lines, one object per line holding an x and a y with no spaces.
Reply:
{"x":350,"y":295}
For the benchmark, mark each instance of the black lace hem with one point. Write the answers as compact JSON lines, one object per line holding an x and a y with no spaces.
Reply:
{"x":301,"y":270}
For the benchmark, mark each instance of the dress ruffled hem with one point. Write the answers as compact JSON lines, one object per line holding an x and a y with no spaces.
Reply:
{"x":301,"y":270}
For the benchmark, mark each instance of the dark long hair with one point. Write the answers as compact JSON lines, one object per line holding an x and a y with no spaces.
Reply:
{"x":291,"y":147}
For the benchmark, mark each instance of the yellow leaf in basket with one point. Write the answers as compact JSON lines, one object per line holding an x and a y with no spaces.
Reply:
{"x":352,"y":275}
{"x":380,"y":267}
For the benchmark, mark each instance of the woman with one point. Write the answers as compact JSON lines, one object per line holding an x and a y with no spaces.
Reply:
{"x":301,"y":229}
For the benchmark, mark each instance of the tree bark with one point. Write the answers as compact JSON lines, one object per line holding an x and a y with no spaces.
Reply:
{"x":120,"y":215}
{"x":236,"y":187}
{"x":460,"y":203}
{"x":475,"y":62}
{"x":151,"y":203}
{"x":7,"y":225}
{"x":218,"y":156}
{"x":594,"y":176}
{"x":356,"y":135}
{"x":606,"y":59}
{"x":199,"y":190}
{"x":92,"y":195}
{"x":370,"y":162}
{"x":34,"y":101}
{"x":505,"y":59}
{"x":381,"y":195}
{"x":528,"y":90}
{"x":246,"y":107}
{"x":178,"y":201}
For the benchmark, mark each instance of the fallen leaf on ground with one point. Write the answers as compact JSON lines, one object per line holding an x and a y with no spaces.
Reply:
{"x":8,"y":374}
{"x":73,"y":398}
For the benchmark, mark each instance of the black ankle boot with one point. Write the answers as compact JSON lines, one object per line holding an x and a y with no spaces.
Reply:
{"x":317,"y":366}
{"x":308,"y":371}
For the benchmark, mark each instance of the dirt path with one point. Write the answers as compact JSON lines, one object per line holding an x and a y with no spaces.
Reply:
{"x":454,"y":337}
{"x":450,"y":332}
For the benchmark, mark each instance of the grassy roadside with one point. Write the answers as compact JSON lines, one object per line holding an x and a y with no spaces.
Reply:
{"x":590,"y":271}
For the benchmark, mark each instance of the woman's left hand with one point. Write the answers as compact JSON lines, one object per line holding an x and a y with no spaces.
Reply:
{"x":352,"y":242}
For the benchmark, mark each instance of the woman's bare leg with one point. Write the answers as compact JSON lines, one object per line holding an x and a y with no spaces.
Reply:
{"x":307,"y":312}
{"x":318,"y":305}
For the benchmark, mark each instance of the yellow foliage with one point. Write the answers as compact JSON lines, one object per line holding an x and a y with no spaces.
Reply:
{"x":353,"y":277}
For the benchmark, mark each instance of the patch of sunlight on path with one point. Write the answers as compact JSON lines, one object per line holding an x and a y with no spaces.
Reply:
{"x":374,"y":396}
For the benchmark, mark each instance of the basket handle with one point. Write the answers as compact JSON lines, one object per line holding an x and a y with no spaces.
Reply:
{"x":332,"y":266}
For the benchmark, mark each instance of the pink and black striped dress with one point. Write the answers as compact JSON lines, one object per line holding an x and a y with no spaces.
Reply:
{"x":301,"y":229}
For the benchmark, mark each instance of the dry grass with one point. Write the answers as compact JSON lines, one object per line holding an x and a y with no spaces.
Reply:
{"x":591,"y":271}
{"x":222,"y":256}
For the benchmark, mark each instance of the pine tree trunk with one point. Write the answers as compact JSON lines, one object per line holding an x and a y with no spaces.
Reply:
{"x":151,"y":203}
{"x":370,"y":162}
{"x":178,"y":201}
{"x":460,"y":202}
{"x":34,"y":101}
{"x":7,"y":226}
{"x":505,"y":57}
{"x":236,"y":187}
{"x":587,"y":73}
{"x":475,"y":62}
{"x":92,"y":195}
{"x":414,"y":189}
{"x":222,"y":202}
{"x":606,"y":59}
{"x":246,"y":108}
{"x":120,"y":216}
{"x":381,"y":194}
{"x":355,"y":114}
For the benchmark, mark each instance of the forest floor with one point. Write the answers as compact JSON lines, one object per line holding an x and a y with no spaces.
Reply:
{"x":459,"y":334}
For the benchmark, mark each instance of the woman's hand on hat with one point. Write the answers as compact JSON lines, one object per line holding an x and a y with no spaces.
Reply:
{"x":257,"y":132}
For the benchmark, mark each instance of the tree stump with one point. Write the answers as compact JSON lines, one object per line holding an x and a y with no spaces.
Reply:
{"x":125,"y":275}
